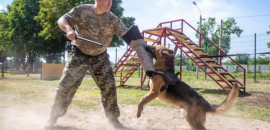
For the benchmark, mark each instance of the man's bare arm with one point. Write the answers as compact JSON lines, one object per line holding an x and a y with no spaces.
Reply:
{"x":64,"y":25}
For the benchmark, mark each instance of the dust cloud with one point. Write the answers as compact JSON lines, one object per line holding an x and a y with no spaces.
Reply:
{"x":34,"y":117}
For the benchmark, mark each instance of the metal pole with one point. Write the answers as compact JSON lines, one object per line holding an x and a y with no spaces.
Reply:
{"x":206,"y":44}
{"x":255,"y":60}
{"x":200,"y":30}
{"x":220,"y":42}
{"x":139,"y":71}
{"x":141,"y":77}
{"x":181,"y":63}
{"x":116,"y":61}
{"x":116,"y":55}
{"x":64,"y":57}
{"x":164,"y":36}
{"x":3,"y":64}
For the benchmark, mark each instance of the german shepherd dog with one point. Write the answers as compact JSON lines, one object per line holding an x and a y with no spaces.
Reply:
{"x":193,"y":106}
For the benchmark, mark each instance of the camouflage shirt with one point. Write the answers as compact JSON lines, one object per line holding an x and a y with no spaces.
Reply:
{"x":90,"y":25}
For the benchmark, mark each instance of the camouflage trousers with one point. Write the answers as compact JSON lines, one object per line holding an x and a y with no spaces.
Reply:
{"x":75,"y":69}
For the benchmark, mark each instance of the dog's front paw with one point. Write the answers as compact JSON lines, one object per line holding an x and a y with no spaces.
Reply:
{"x":140,"y":109}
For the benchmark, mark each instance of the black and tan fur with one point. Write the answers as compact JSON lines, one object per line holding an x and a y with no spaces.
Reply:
{"x":194,"y":106}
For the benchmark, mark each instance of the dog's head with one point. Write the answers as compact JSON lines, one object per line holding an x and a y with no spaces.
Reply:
{"x":160,"y":52}
{"x":164,"y":57}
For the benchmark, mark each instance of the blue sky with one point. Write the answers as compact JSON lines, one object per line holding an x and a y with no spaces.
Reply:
{"x":253,"y":16}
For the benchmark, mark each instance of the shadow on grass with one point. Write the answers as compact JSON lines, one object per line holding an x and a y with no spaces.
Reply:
{"x":197,"y":89}
{"x":144,"y":88}
{"x":212,"y":91}
{"x":220,"y":92}
{"x":242,"y":95}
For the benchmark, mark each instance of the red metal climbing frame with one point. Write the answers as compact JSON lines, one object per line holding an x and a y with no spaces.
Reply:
{"x":173,"y":32}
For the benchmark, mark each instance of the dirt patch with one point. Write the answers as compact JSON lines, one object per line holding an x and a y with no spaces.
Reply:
{"x":255,"y":98}
{"x":34,"y":117}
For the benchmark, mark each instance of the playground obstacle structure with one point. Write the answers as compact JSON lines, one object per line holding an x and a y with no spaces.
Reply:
{"x":167,"y":31}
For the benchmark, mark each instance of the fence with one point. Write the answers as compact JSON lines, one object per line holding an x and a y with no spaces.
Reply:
{"x":259,"y":68}
{"x":234,"y":68}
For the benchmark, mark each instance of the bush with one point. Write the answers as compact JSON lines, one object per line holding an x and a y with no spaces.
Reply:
{"x":250,"y":71}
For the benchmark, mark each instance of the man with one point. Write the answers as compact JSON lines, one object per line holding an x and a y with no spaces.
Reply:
{"x":97,"y":23}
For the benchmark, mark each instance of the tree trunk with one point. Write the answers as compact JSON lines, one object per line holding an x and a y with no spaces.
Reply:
{"x":31,"y":63}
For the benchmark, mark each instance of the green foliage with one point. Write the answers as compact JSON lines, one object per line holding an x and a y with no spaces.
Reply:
{"x":4,"y":42}
{"x":211,"y":31}
{"x":23,"y":31}
{"x":261,"y":60}
{"x":185,"y":61}
{"x":242,"y":59}
{"x":245,"y":59}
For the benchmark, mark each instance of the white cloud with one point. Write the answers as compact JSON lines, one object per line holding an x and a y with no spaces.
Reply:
{"x":1,"y":7}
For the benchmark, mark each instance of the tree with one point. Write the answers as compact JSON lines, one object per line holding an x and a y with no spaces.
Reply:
{"x":24,"y":30}
{"x":211,"y":31}
{"x":4,"y":42}
{"x":185,"y":61}
{"x":242,"y":59}
{"x":262,"y":60}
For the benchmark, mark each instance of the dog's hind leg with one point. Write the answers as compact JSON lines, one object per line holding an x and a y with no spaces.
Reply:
{"x":196,"y":117}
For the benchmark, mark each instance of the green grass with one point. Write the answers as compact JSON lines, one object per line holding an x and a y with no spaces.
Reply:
{"x":22,"y":89}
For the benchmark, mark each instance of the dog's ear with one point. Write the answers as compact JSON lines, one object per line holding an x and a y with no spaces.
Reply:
{"x":150,"y":48}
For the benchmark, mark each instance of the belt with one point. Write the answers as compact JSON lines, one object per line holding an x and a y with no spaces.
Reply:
{"x":78,"y":51}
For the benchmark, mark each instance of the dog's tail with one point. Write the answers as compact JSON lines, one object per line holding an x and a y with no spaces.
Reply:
{"x":227,"y":103}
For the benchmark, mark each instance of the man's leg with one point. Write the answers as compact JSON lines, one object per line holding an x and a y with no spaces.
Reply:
{"x":71,"y":79}
{"x":102,"y":73}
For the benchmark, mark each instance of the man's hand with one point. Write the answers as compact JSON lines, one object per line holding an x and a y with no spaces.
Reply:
{"x":71,"y":35}
{"x":63,"y":24}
